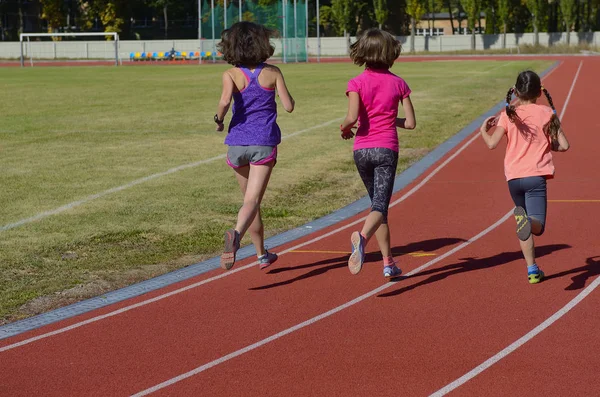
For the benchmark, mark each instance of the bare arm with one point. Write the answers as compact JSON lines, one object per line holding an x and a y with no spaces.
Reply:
{"x":286,"y":98}
{"x":225,"y":101}
{"x":491,"y":133}
{"x":561,"y":144}
{"x":351,"y":116}
{"x":409,"y":122}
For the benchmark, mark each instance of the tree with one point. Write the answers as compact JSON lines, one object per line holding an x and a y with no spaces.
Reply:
{"x":327,"y":20}
{"x":416,"y":9}
{"x":54,"y":13}
{"x":473,"y":10}
{"x":344,"y":14}
{"x":434,"y":6}
{"x":567,"y":8}
{"x":163,"y":6}
{"x":503,"y":14}
{"x":450,"y":6}
{"x":109,"y":16}
{"x":381,"y":11}
{"x":536,"y":8}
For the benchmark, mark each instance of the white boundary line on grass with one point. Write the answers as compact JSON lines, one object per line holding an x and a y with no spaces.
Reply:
{"x":313,"y":320}
{"x":136,"y":182}
{"x":191,"y":286}
{"x":87,"y":199}
{"x":531,"y":334}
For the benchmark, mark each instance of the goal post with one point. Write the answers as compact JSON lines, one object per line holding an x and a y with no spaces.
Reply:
{"x":24,"y":38}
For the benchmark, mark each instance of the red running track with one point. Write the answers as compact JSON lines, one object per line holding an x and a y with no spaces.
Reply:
{"x":412,"y":337}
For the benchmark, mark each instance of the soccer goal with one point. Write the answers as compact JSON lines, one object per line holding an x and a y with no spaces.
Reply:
{"x":37,"y":46}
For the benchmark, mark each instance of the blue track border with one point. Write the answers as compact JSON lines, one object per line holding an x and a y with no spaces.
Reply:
{"x":132,"y":291}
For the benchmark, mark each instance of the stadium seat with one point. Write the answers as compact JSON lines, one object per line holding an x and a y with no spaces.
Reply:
{"x":154,"y":55}
{"x":203,"y":54}
{"x":138,"y":55}
{"x":131,"y":55}
{"x":161,"y":54}
{"x":184,"y":54}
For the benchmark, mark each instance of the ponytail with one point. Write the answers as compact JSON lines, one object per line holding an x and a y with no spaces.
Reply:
{"x":554,"y":123}
{"x":510,"y":110}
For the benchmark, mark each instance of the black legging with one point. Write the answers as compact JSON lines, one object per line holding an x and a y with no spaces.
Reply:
{"x":377,"y":168}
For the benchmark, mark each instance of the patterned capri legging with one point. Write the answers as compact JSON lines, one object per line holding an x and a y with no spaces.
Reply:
{"x":377,"y":168}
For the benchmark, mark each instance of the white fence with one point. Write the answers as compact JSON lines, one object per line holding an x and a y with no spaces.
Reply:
{"x":330,"y":46}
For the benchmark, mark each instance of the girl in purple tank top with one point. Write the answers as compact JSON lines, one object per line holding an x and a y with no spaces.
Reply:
{"x":253,"y":131}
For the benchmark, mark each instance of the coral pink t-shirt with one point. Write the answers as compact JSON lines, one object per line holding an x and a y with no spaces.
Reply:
{"x":528,"y":148}
{"x":380,"y":93}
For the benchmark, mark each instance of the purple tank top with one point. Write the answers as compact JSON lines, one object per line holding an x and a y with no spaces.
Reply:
{"x":254,"y":120}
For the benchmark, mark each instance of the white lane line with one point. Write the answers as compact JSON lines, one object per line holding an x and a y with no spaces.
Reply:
{"x":527,"y":337}
{"x":313,"y":320}
{"x":87,"y":199}
{"x":191,"y":286}
{"x":520,"y":342}
{"x":564,"y":109}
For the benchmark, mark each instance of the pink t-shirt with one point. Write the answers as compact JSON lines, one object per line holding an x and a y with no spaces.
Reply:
{"x":528,"y":148}
{"x":380,"y":93}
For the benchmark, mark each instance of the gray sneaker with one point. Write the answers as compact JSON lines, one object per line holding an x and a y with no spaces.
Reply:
{"x":232,"y":244}
{"x":266,"y":260}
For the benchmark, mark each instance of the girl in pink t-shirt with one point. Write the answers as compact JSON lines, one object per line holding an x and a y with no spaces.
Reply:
{"x":532,"y":131}
{"x":373,"y":100}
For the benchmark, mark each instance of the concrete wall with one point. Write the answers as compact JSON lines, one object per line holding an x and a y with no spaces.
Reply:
{"x":330,"y":46}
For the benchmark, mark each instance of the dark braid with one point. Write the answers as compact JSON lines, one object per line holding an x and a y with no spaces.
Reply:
{"x":554,"y":123}
{"x":510,"y":110}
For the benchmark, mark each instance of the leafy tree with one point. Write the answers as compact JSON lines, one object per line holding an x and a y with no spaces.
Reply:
{"x":473,"y":10}
{"x":163,"y":6}
{"x":536,"y":8}
{"x":416,"y":9}
{"x":567,"y":8}
{"x":381,"y":11}
{"x":53,"y":12}
{"x":110,"y":17}
{"x":344,"y":14}
{"x":503,"y":14}
{"x":327,"y":20}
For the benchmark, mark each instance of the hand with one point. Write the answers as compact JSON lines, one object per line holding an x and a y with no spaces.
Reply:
{"x":489,"y":123}
{"x":348,"y":133}
{"x":220,"y":127}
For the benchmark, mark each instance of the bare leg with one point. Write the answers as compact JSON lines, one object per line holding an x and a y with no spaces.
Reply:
{"x":536,"y":226}
{"x":253,"y":182}
{"x":383,"y":239}
{"x":372,"y":224}
{"x":528,"y":248}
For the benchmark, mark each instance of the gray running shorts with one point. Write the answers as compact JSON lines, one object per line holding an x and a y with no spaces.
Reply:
{"x":241,"y":156}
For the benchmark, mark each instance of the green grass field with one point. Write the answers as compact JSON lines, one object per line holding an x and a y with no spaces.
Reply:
{"x":70,"y":133}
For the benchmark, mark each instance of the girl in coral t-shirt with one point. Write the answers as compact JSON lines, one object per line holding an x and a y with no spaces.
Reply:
{"x":532,"y":132}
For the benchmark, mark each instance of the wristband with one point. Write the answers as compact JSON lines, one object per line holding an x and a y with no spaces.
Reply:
{"x":216,"y":118}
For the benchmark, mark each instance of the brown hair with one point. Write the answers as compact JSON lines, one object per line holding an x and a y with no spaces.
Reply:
{"x":528,"y":87}
{"x":375,"y":48}
{"x":246,"y":43}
